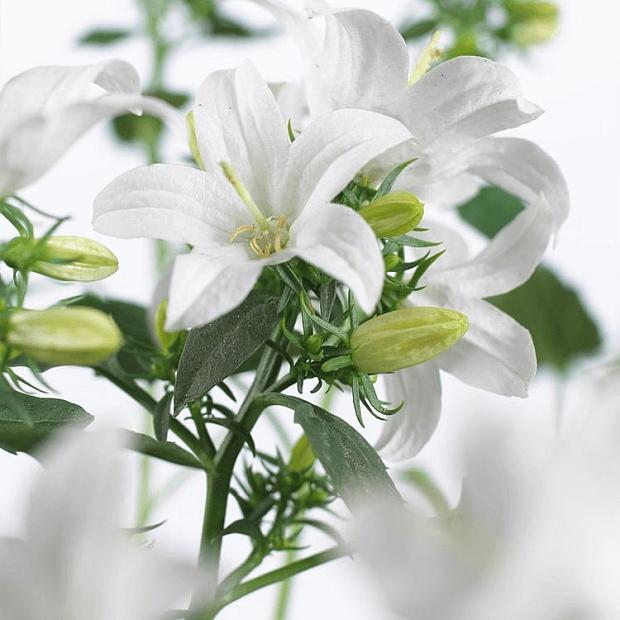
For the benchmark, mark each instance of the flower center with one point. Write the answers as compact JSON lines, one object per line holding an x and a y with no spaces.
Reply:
{"x":268,"y":234}
{"x":264,"y":242}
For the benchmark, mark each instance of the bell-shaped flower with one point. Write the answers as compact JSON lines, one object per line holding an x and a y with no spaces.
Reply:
{"x":361,"y":61}
{"x":496,"y":354}
{"x":75,"y":561}
{"x":44,"y":110}
{"x":260,"y":199}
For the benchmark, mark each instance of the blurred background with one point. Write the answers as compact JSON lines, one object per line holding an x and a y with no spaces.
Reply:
{"x":566,"y":59}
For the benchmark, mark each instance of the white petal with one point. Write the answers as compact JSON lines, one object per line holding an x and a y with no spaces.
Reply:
{"x":238,"y":121}
{"x":467,"y":97}
{"x":405,"y":433}
{"x":364,"y":64}
{"x":205,"y":286}
{"x":521,"y":168}
{"x":507,"y":261}
{"x":339,"y":242}
{"x":329,"y":153}
{"x":171,"y":202}
{"x":496,"y":354}
{"x":44,"y":90}
{"x":37,"y":142}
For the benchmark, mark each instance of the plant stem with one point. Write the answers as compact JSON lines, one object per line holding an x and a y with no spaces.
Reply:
{"x":275,"y":576}
{"x":284,"y":593}
{"x":218,"y":483}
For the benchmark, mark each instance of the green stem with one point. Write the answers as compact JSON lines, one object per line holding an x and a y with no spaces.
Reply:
{"x":284,"y":593}
{"x":275,"y":576}
{"x":218,"y":483}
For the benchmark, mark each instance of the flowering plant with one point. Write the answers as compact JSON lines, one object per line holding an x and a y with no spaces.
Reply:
{"x":317,"y":255}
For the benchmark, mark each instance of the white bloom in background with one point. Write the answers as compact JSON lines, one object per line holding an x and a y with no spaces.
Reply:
{"x":44,"y":110}
{"x":260,"y":200}
{"x":496,"y":354}
{"x":536,"y":535}
{"x":75,"y":561}
{"x":361,"y":61}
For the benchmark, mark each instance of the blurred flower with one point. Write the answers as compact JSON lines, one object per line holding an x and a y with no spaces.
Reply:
{"x":75,"y":561}
{"x":496,"y":354}
{"x":260,"y":201}
{"x":44,"y":110}
{"x":362,"y":62}
{"x":536,"y":535}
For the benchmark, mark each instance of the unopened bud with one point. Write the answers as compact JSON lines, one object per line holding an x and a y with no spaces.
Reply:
{"x":302,"y":455}
{"x":533,"y":21}
{"x":62,"y":257}
{"x":405,"y":337}
{"x":391,"y":261}
{"x":73,"y":336}
{"x":190,"y":121}
{"x":394,"y":214}
{"x":166,"y":339}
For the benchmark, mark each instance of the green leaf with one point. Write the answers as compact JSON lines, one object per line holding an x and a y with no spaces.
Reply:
{"x":104,"y":36}
{"x":214,"y":352}
{"x":418,"y":29}
{"x":26,"y":421}
{"x":161,"y":417}
{"x":164,"y":450}
{"x":353,"y":465}
{"x":490,"y":210}
{"x":560,"y":324}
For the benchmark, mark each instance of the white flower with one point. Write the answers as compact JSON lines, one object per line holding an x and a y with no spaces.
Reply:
{"x":76,"y":562}
{"x":44,"y":110}
{"x":452,"y":111}
{"x":536,"y":536}
{"x":261,"y":200}
{"x":496,"y":354}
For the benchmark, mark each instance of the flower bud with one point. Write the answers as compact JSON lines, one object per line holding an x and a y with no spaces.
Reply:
{"x":533,"y":21}
{"x":62,"y":257}
{"x":302,"y":456}
{"x":405,"y":337}
{"x":73,"y":336}
{"x":166,"y":339}
{"x":394,"y":214}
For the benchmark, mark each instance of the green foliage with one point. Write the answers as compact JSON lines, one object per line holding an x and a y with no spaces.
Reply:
{"x":486,"y":27}
{"x":215,"y":351}
{"x":164,"y":450}
{"x":561,"y":326}
{"x":353,"y":465}
{"x":103,"y":36}
{"x":27,"y":421}
{"x":490,"y":210}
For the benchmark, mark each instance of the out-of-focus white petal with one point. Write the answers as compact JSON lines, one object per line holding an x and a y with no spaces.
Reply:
{"x":238,"y":121}
{"x":291,"y":100}
{"x":329,"y":153}
{"x":364,"y":63}
{"x":207,"y":285}
{"x":496,"y":354}
{"x":339,"y":242}
{"x":405,"y":433}
{"x":507,"y":261}
{"x":466,"y":97}
{"x":521,"y":168}
{"x":171,"y":202}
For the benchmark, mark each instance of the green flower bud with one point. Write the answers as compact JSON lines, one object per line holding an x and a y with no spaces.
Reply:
{"x":532,"y":21}
{"x":190,"y":121}
{"x":391,"y":261}
{"x":166,"y":339}
{"x":73,"y":336}
{"x":405,"y":337}
{"x":394,"y":214}
{"x":302,"y":456}
{"x":77,"y":259}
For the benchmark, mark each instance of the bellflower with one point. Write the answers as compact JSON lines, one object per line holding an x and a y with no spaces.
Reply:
{"x":75,"y":561}
{"x":44,"y":110}
{"x":452,"y":111}
{"x":535,"y":535}
{"x":260,"y":199}
{"x":496,"y":354}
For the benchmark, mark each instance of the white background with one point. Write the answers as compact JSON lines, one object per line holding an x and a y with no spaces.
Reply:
{"x":575,"y":79}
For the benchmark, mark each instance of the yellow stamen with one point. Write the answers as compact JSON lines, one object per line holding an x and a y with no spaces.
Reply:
{"x":431,"y":54}
{"x":248,"y":228}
